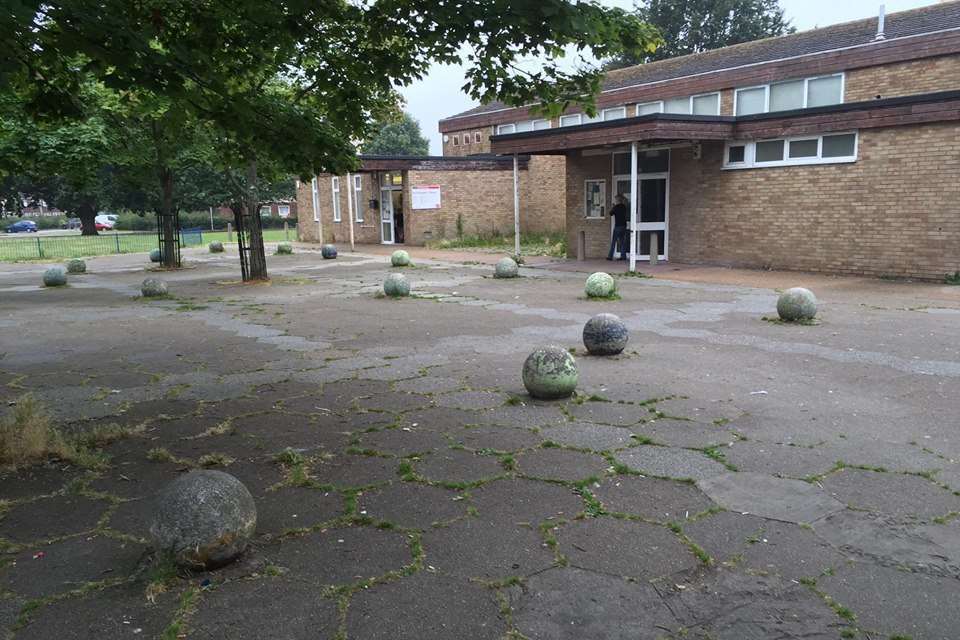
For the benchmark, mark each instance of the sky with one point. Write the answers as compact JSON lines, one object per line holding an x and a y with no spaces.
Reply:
{"x":446,"y":80}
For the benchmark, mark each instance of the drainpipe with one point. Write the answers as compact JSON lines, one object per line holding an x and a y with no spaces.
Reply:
{"x":516,"y":207}
{"x":634,"y":237}
{"x":350,"y":211}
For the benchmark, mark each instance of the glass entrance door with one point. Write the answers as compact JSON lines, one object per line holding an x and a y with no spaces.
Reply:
{"x":386,"y":216}
{"x":652,"y":210}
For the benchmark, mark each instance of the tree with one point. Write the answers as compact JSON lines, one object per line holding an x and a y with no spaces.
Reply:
{"x":692,"y":26}
{"x":292,"y":83}
{"x":398,"y":138}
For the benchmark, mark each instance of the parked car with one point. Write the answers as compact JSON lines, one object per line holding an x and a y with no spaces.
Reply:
{"x":107,"y":220}
{"x":71,"y":223}
{"x":102,"y":226}
{"x":27,"y":226}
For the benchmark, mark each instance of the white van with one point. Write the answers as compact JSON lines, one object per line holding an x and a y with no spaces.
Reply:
{"x":107,"y":219}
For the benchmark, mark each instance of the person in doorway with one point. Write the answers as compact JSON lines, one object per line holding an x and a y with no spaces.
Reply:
{"x":618,"y":242}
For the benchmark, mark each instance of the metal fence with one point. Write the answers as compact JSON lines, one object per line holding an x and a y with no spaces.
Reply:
{"x":39,"y":246}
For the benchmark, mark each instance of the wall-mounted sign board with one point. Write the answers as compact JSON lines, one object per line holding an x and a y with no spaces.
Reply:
{"x":426,"y":196}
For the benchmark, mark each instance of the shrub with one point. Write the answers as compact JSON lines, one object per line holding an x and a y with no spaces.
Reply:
{"x":27,"y":436}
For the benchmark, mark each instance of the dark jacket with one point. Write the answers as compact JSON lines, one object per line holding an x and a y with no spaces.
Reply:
{"x":619,"y":213}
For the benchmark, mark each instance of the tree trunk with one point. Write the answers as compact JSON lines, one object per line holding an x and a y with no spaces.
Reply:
{"x":87,"y":213}
{"x":257,"y":256}
{"x":168,"y":221}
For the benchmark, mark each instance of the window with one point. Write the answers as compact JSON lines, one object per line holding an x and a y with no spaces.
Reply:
{"x":315,"y":195}
{"x":456,"y":141}
{"x":707,"y":105}
{"x":826,"y":149}
{"x":649,"y":107}
{"x":335,"y":189}
{"x":614,"y":113}
{"x":676,"y":105}
{"x":476,"y":137}
{"x":793,"y":94}
{"x":539,"y":125}
{"x":595,"y":201}
{"x":570,"y":121}
{"x":648,"y":161}
{"x":265,"y":211}
{"x":357,"y":198}
{"x":506,"y":128}
{"x":283,"y":210}
{"x":466,"y":139}
{"x":524,"y":126}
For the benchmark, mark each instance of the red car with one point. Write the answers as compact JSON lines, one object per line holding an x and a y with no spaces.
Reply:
{"x":102,"y":227}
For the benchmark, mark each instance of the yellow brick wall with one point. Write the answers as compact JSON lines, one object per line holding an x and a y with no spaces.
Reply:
{"x":905,"y":78}
{"x":472,"y":147}
{"x":367,"y":231}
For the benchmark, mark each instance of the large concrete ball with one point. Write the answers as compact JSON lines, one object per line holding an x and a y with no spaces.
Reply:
{"x":216,"y":247}
{"x":328,"y":251}
{"x":396,"y":285}
{"x":600,"y":285}
{"x":797,"y":304}
{"x":55,"y":277}
{"x":153,"y":288}
{"x":203,"y":519}
{"x":400,"y":258}
{"x":550,"y":372}
{"x":155,"y":255}
{"x":506,"y":268}
{"x":76,"y":265}
{"x":284,"y":248}
{"x":605,"y":335}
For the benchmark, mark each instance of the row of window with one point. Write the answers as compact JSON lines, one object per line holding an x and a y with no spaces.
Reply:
{"x":283,"y":210}
{"x":357,"y":198}
{"x":520,"y":127}
{"x":477,"y":138}
{"x":782,"y":152}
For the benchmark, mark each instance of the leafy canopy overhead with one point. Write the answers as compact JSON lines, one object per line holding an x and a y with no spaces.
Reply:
{"x":341,"y":62}
{"x":398,"y":138}
{"x":692,"y":26}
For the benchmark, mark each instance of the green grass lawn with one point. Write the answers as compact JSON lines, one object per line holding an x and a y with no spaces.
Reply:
{"x":531,"y":244}
{"x":50,"y":247}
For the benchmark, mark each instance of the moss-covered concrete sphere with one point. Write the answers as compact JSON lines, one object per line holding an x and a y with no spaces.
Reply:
{"x":76,"y":265}
{"x":506,"y":268}
{"x":216,"y":247}
{"x":600,"y":285}
{"x":400,"y":258}
{"x":328,"y":251}
{"x":153,"y":288}
{"x":396,"y":285}
{"x":55,"y":277}
{"x":605,"y":335}
{"x":550,"y":372}
{"x":203,"y":519}
{"x":155,"y":255}
{"x":797,"y":304}
{"x":284,"y":248}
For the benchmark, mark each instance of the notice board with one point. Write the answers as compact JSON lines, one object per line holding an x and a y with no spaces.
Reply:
{"x":426,"y":196}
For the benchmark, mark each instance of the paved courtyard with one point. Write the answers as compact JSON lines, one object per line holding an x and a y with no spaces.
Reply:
{"x":726,"y":477}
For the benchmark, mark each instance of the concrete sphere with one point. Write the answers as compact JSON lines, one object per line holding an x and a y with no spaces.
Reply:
{"x":396,"y":285}
{"x":216,"y":247}
{"x":797,"y":304}
{"x":550,"y":372}
{"x":203,"y":519}
{"x":600,"y":285}
{"x":153,"y":288}
{"x":76,"y":265}
{"x":506,"y":268}
{"x":605,"y":335}
{"x":328,"y":251}
{"x":400,"y":258}
{"x":55,"y":277}
{"x":284,"y":248}
{"x":155,"y":255}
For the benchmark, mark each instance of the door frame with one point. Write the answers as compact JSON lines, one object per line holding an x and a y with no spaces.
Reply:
{"x":386,"y":200}
{"x":649,"y":226}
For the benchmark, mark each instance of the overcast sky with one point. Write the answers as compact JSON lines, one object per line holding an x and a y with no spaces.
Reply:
{"x":438,"y":94}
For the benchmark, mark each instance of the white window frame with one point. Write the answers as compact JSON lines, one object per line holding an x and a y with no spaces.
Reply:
{"x":477,"y":139}
{"x":541,"y":121}
{"x":578,"y":116}
{"x":603,"y":114}
{"x":269,"y":212}
{"x":806,"y":90}
{"x":603,"y":189}
{"x":503,"y":129}
{"x":315,"y":197}
{"x":280,"y":210}
{"x":750,"y":152}
{"x":335,"y":193}
{"x":707,"y":95}
{"x":456,"y":141}
{"x":357,"y":204}
{"x":659,"y":104}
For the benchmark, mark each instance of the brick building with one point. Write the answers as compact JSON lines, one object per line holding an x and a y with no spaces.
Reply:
{"x":413,"y":200}
{"x":835,"y":149}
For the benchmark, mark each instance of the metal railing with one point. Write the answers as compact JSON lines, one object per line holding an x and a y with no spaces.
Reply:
{"x":39,"y":247}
